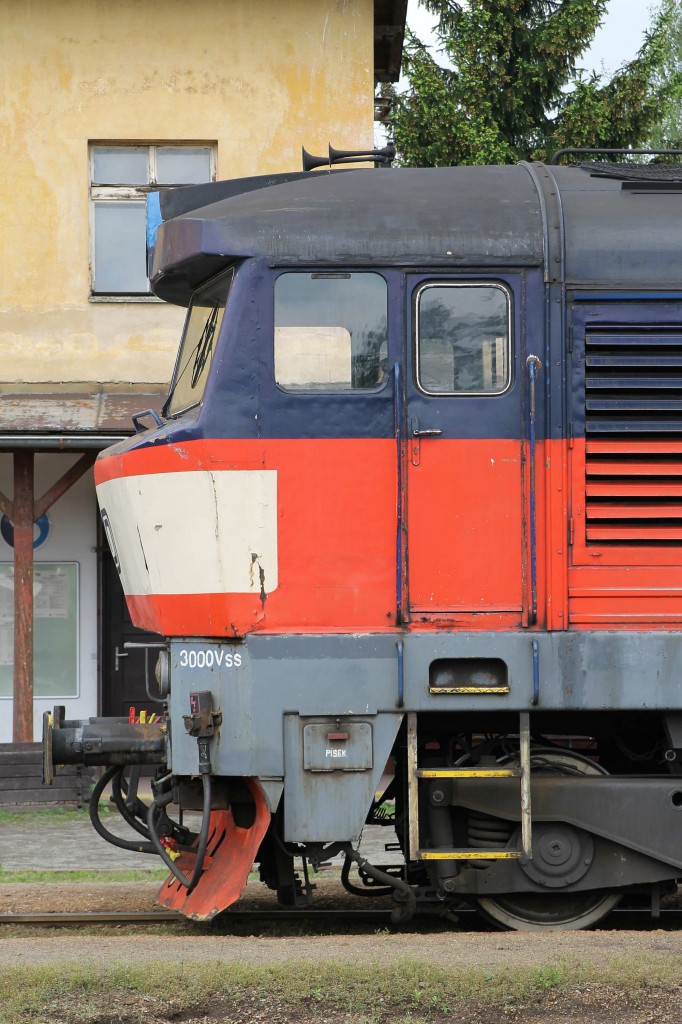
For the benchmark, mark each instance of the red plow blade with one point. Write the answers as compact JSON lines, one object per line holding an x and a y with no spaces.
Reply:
{"x":230,"y":855}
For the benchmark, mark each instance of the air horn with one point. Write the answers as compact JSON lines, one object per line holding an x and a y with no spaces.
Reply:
{"x":381,"y":157}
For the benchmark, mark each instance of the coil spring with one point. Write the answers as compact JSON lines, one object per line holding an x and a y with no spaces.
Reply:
{"x":487,"y":833}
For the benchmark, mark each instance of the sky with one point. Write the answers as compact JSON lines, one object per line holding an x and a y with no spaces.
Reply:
{"x":618,"y":39}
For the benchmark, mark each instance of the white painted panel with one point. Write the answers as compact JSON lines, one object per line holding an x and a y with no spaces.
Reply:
{"x":195,"y":532}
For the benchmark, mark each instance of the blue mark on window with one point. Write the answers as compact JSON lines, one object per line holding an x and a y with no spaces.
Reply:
{"x":154,"y":218}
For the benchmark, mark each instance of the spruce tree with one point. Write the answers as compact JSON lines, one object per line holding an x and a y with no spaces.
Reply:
{"x":511,"y":86}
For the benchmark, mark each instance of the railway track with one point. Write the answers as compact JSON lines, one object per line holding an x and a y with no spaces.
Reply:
{"x":170,"y":917}
{"x":619,"y":919}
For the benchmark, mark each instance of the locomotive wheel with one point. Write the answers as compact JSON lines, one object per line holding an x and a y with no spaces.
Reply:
{"x":552,"y":911}
{"x":537,"y":911}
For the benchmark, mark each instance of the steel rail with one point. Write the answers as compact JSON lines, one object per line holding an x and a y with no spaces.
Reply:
{"x":97,"y":917}
{"x":466,"y":914}
{"x":171,"y":916}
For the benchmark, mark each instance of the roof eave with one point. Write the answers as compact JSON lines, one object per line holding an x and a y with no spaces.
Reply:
{"x":389,"y":35}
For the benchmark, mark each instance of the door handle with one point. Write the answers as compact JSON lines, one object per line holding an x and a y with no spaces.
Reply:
{"x":416,"y":435}
{"x":117,"y":657}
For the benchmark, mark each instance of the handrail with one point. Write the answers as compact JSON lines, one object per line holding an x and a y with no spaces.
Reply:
{"x":535,"y":699}
{"x":397,"y":429}
{"x":613,"y":152}
{"x":533,"y":363}
{"x":400,"y":703}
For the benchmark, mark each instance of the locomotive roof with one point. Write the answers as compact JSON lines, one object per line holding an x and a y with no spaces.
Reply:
{"x":445,"y":216}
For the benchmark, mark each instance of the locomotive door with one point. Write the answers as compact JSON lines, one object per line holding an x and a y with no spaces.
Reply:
{"x":466,"y":516}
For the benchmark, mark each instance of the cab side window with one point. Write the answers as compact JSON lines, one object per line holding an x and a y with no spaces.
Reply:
{"x":463,"y":339}
{"x":330,"y":331}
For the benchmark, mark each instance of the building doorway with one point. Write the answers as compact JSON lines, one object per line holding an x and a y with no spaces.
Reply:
{"x":123,"y":671}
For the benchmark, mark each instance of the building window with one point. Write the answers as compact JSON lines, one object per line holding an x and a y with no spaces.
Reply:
{"x":120,"y":177}
{"x":463,"y":339}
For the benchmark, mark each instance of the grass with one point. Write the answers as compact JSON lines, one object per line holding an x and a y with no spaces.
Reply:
{"x":34,"y":817}
{"x":405,"y":989}
{"x":41,"y":815}
{"x":32,"y":877}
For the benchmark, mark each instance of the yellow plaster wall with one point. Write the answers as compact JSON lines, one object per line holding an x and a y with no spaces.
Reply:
{"x":259,"y":77}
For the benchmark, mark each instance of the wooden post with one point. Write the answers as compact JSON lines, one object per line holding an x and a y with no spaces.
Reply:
{"x":23,"y":596}
{"x":23,"y":511}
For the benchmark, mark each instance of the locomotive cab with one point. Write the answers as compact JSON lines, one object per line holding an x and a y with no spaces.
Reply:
{"x":399,"y":509}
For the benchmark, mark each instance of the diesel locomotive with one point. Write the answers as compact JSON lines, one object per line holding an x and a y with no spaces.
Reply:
{"x":413,"y":504}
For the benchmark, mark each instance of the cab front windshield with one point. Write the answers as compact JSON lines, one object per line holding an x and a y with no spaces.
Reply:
{"x":199,"y":338}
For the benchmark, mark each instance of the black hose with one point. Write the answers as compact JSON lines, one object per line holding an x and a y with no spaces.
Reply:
{"x":188,"y":883}
{"x":399,"y":915}
{"x":203,"y":833}
{"x":93,"y":809}
{"x":358,"y":890}
{"x":132,"y":817}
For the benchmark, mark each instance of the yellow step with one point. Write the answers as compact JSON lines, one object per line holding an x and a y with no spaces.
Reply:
{"x":469,"y":773}
{"x":468,"y":854}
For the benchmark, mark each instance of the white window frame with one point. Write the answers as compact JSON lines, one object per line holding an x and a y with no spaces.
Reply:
{"x":130,"y":193}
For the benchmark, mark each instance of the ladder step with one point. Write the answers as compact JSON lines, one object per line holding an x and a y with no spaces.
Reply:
{"x":468,"y":854}
{"x":522,"y":772}
{"x":469,"y":773}
{"x":471,"y":690}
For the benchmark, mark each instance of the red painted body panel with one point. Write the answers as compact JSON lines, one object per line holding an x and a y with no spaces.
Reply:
{"x":616,"y":585}
{"x":337,"y":522}
{"x":553,"y":482}
{"x":467,"y":546}
{"x":337,"y":525}
{"x":465,"y":527}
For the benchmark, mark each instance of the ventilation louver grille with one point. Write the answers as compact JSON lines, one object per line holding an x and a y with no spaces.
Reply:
{"x":633,"y":434}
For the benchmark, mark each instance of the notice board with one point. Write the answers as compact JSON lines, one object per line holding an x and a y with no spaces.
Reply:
{"x":55,"y":629}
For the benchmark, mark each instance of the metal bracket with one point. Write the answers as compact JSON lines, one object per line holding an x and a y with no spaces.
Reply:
{"x":138,"y":416}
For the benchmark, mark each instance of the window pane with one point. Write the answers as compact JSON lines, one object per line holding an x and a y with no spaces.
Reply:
{"x":120,"y":248}
{"x":202,"y":327}
{"x":182,"y":165}
{"x":330,"y":331}
{"x":121,"y":165}
{"x":463,"y":339}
